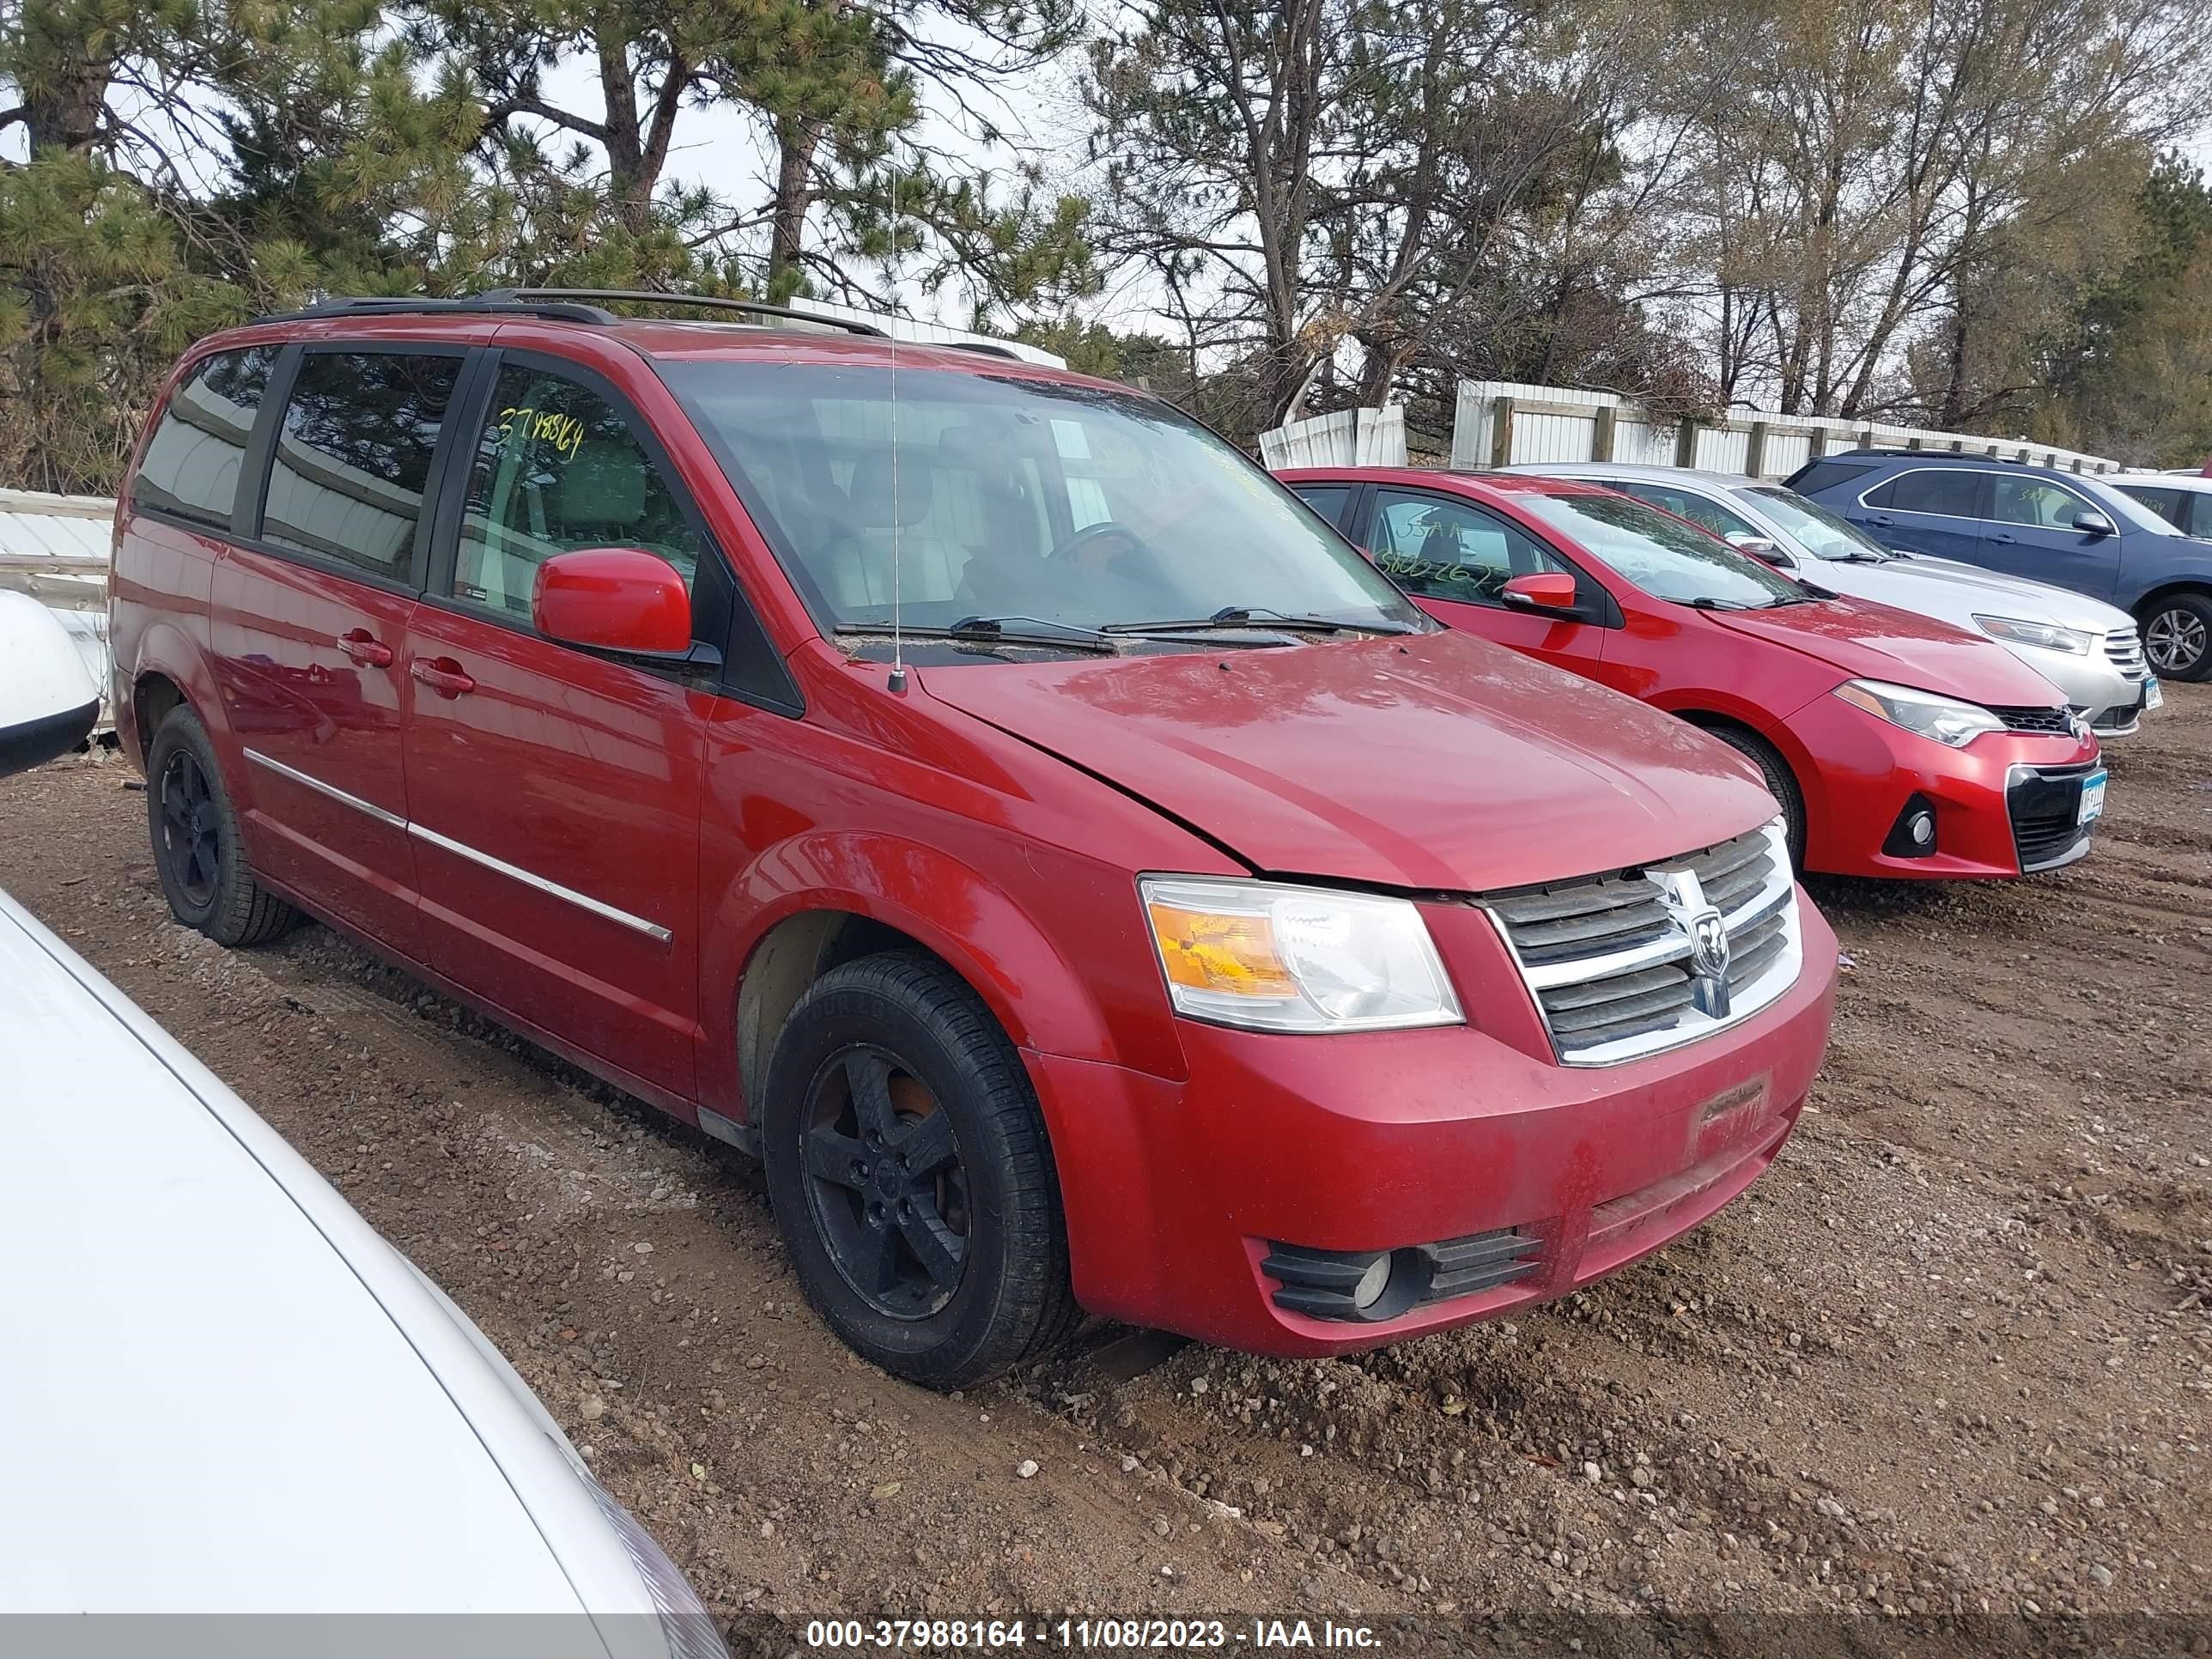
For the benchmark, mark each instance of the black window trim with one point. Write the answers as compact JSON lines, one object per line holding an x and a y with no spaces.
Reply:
{"x":1594,"y":601}
{"x":739,"y":636}
{"x":261,"y":453}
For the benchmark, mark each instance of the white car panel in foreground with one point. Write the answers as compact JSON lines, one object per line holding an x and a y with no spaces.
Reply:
{"x":230,"y":1396}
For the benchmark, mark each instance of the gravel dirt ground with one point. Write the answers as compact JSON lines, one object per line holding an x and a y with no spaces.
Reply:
{"x":1944,"y":1376}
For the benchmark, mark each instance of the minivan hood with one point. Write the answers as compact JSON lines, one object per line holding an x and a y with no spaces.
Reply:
{"x":1436,"y":762}
{"x":1958,"y":592}
{"x":1863,"y":639}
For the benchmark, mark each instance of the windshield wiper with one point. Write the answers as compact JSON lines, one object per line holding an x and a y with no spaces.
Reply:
{"x":1242,"y":615}
{"x":1706,"y":602}
{"x":993,"y":630}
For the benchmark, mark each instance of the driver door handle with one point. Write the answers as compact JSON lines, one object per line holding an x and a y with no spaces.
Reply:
{"x":442,"y":674}
{"x":364,"y":648}
{"x":2006,"y":540}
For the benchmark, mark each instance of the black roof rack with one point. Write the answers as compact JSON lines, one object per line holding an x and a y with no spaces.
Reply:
{"x":563,"y":305}
{"x":625,"y":296}
{"x":422,"y":306}
{"x":988,"y":347}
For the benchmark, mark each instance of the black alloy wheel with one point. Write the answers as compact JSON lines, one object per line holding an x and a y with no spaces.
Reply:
{"x":190,"y":851}
{"x":885,"y":1184}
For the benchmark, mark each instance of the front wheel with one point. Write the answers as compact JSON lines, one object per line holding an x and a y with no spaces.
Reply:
{"x":2177,"y":636}
{"x":1781,"y":783}
{"x":910,"y":1175}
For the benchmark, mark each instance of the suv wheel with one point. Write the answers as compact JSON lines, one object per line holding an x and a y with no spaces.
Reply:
{"x":910,"y":1175}
{"x":198,"y":851}
{"x":2177,"y":634}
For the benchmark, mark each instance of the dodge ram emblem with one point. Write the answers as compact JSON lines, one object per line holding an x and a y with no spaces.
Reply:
{"x":1709,"y":963}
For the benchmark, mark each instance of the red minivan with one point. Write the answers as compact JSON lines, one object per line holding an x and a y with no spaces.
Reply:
{"x":1898,"y":745}
{"x":976,"y":788}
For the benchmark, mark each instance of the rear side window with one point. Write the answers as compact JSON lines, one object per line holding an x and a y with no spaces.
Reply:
{"x":353,"y":456}
{"x":1955,"y":493}
{"x":557,"y":467}
{"x":1328,"y":500}
{"x":1816,"y":476}
{"x":2171,"y":505}
{"x":192,"y":462}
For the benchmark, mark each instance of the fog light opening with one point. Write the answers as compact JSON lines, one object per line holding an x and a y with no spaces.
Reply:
{"x":1913,"y":834}
{"x":1372,"y":1283}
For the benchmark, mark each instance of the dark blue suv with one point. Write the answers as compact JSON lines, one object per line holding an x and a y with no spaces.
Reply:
{"x":2032,"y":521}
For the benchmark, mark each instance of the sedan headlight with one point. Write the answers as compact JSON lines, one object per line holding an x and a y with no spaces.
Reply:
{"x":2014,"y":630}
{"x":1274,"y":958}
{"x":1946,"y":720}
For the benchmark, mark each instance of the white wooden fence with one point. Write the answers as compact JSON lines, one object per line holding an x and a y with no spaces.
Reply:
{"x":55,"y":548}
{"x":1345,"y":437}
{"x":1503,"y":422}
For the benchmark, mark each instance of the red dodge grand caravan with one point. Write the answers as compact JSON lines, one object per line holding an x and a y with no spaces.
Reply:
{"x":978,"y":789}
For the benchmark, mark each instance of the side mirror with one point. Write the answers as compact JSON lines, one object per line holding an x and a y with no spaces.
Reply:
{"x":614,"y":599}
{"x":48,"y":703}
{"x":1759,"y":547}
{"x":1551,"y":590}
{"x":2091,"y":522}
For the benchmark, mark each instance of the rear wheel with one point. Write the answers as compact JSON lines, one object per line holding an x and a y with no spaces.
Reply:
{"x":1781,"y":782}
{"x":2177,"y":636}
{"x":198,"y":851}
{"x":910,"y":1175}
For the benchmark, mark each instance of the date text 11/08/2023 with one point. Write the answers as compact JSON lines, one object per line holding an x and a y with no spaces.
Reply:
{"x":939,"y":1634}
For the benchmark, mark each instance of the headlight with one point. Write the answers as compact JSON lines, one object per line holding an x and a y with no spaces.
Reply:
{"x":685,"y":1624}
{"x":2052,"y":637}
{"x":1279,"y":958}
{"x":1946,"y":720}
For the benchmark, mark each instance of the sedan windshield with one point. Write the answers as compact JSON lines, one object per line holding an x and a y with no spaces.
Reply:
{"x":1019,"y":507}
{"x":1664,"y":556}
{"x":1823,"y":534}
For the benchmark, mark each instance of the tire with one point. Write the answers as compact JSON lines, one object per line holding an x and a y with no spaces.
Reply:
{"x":2177,"y":636}
{"x":946,"y":1268}
{"x":1781,"y":783}
{"x":199,"y":853}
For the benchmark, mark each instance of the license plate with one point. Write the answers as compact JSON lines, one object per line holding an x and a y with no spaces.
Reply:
{"x":2153,"y":695}
{"x":2092,"y":799}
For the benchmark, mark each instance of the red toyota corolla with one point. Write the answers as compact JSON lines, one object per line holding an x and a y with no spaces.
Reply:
{"x":1897,"y":746}
{"x":981,"y":790}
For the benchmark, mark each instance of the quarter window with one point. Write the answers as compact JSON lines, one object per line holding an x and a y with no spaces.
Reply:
{"x":1953,"y":492}
{"x":192,"y":461}
{"x":557,"y":467}
{"x":1447,"y":550}
{"x":1328,"y":500}
{"x":353,"y":456}
{"x":2025,"y":499}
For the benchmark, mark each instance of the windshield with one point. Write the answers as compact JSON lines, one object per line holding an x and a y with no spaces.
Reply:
{"x":1000,"y":497}
{"x":1665,"y":557}
{"x":1823,"y":534}
{"x":2128,"y":512}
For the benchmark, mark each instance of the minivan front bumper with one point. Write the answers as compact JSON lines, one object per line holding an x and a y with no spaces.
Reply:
{"x":1244,"y":1205}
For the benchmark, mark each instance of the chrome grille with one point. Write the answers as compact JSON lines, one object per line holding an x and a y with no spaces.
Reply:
{"x":2125,"y":646}
{"x":1608,"y":958}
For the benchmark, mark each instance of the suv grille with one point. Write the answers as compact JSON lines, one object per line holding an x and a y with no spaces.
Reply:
{"x":1608,"y":958}
{"x":2059,"y":719}
{"x":2125,"y":646}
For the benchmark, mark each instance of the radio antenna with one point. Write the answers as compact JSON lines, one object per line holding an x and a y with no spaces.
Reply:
{"x":897,"y":681}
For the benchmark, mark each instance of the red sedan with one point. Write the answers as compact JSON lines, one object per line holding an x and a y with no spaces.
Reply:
{"x":1898,"y":746}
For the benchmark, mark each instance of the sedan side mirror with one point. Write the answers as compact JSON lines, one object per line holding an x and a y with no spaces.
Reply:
{"x":613,"y":599}
{"x":2091,"y":522}
{"x":1551,"y":590}
{"x":1764,"y":548}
